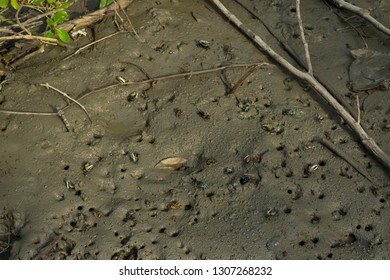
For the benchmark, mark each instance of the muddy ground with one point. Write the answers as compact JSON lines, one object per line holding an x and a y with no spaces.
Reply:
{"x":251,"y":183}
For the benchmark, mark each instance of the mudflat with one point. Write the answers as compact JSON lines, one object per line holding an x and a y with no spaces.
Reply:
{"x":186,"y":167}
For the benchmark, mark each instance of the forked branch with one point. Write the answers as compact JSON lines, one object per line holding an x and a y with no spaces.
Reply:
{"x":367,"y":141}
{"x":364,"y":13}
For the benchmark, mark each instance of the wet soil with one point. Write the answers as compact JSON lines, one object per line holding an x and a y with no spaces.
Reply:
{"x":252,"y":183}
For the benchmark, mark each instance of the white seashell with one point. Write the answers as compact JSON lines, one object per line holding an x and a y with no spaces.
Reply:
{"x":173,"y":163}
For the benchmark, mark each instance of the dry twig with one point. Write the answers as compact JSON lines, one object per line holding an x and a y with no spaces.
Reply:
{"x":41,"y":49}
{"x":91,"y":44}
{"x":303,"y":38}
{"x":367,"y":141}
{"x":346,"y":158}
{"x":18,"y":20}
{"x":358,"y":108}
{"x":167,"y":77}
{"x":364,"y":13}
{"x":29,"y":37}
{"x":68,"y":97}
{"x":131,"y":25}
{"x":149,"y":80}
{"x":242,"y":79}
{"x":38,"y":17}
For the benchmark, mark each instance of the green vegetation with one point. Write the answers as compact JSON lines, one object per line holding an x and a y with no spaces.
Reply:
{"x":53,"y":21}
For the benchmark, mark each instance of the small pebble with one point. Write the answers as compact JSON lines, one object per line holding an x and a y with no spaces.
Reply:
{"x":59,"y":196}
{"x":137,"y":174}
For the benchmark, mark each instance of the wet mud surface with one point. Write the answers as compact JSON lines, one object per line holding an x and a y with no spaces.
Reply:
{"x":249,"y":181}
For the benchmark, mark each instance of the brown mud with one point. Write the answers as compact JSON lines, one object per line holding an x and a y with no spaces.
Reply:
{"x":251,"y":183}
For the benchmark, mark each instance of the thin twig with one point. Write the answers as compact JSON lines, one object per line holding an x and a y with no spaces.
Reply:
{"x":140,"y":69}
{"x":67,"y":96}
{"x":303,"y":38}
{"x":340,"y":153}
{"x":91,"y":44}
{"x":358,"y":109}
{"x":61,"y":115}
{"x":48,"y":246}
{"x":117,"y":15}
{"x":41,"y":49}
{"x":242,"y":79}
{"x":167,"y":77}
{"x":346,"y":20}
{"x":367,"y":141}
{"x":6,"y":30}
{"x":297,"y":58}
{"x":364,"y":13}
{"x":131,"y":25}
{"x":18,"y":20}
{"x":29,"y":37}
{"x":11,"y":112}
{"x":150,"y":80}
{"x":38,"y":17}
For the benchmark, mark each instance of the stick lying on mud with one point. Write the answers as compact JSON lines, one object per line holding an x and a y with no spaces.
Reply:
{"x":364,"y":13}
{"x":367,"y":141}
{"x":340,"y":153}
{"x":68,"y":97}
{"x":91,"y":44}
{"x":60,"y":112}
{"x":167,"y":77}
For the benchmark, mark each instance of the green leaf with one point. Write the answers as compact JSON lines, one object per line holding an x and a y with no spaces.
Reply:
{"x":63,"y":35}
{"x":37,"y":2}
{"x":4,"y":3}
{"x":60,"y":17}
{"x":104,"y":3}
{"x":15,"y":4}
{"x":51,"y":1}
{"x":3,"y":19}
{"x":49,"y":34}
{"x":50,"y":23}
{"x":64,"y":5}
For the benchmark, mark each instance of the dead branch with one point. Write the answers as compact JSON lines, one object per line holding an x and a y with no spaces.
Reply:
{"x":38,"y":17}
{"x":367,"y":141}
{"x":12,"y":112}
{"x":131,"y":25}
{"x":303,"y":38}
{"x":91,"y":44}
{"x":29,"y":37}
{"x":340,"y":153}
{"x":68,"y":97}
{"x":242,"y":79}
{"x":40,"y":50}
{"x":167,"y":77}
{"x":364,"y":13}
{"x":149,"y":80}
{"x":289,"y":51}
{"x":21,"y":25}
{"x":94,"y":17}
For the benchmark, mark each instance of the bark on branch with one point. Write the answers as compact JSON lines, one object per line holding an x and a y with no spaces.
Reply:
{"x":366,"y":140}
{"x":364,"y":13}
